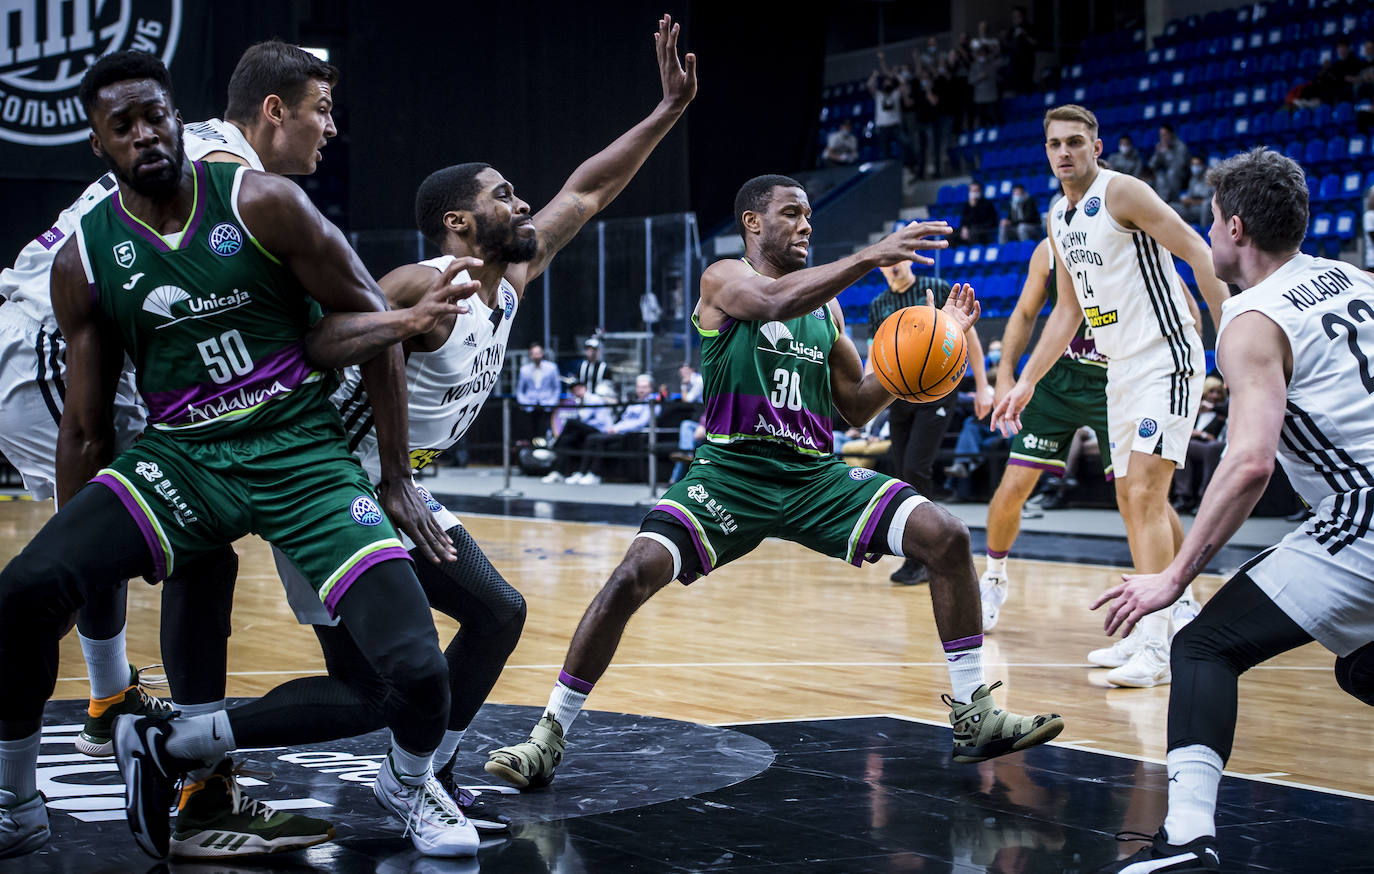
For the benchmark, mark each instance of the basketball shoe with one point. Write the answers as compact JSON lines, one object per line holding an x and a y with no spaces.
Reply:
{"x":433,"y":821}
{"x":993,"y":588}
{"x":481,"y":814}
{"x":1119,"y":652}
{"x":23,"y":827}
{"x":215,"y":820}
{"x":96,"y":738}
{"x":1162,"y":857}
{"x":1148,"y":667}
{"x":150,"y":774}
{"x":982,"y":731}
{"x":530,"y":765}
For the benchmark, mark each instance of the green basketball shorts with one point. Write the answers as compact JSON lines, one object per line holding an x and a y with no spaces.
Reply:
{"x":1066,"y":399}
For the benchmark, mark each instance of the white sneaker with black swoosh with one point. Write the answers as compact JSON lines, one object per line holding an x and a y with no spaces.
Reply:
{"x":1162,"y":857}
{"x":150,"y":774}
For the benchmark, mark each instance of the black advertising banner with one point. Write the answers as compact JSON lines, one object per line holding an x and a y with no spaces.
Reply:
{"x":46,"y":46}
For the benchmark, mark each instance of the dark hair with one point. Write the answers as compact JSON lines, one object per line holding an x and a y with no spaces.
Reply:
{"x":1167,"y":127}
{"x":1269,"y":193}
{"x":754,"y":195}
{"x":122,"y":67}
{"x":273,"y":67}
{"x":445,"y":190}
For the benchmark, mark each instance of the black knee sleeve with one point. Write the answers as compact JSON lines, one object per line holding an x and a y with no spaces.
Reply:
{"x":1355,"y":673}
{"x":471,"y":590}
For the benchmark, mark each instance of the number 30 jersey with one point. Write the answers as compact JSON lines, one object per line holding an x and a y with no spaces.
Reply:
{"x":212,"y":321}
{"x":1131,"y":295}
{"x":446,"y":387}
{"x":1326,"y":309}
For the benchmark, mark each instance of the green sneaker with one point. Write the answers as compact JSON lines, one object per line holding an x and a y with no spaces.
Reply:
{"x":982,"y":732}
{"x":96,"y":739}
{"x":530,"y":765}
{"x":215,"y":820}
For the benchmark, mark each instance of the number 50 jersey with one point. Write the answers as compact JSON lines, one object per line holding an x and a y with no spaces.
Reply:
{"x":212,"y":321}
{"x":1326,"y":309}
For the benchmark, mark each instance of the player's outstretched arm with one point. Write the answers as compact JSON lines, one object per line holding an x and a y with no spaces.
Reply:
{"x":1257,"y":353}
{"x":1135,"y":204}
{"x":289,"y":227}
{"x":602,"y":177}
{"x":732,"y":289}
{"x":95,"y":357}
{"x":1020,"y":325}
{"x":857,"y":394}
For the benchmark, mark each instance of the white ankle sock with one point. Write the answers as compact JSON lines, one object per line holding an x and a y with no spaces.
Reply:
{"x":1155,"y":627}
{"x":997,"y":565}
{"x":964,"y":658}
{"x":1194,"y":773}
{"x":206,"y":737}
{"x":448,"y":747}
{"x":19,"y":764}
{"x":410,"y":769}
{"x":107,"y":664}
{"x":567,"y":698}
{"x":195,"y":775}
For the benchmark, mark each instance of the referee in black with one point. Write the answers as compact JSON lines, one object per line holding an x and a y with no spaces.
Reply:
{"x":917,"y":430}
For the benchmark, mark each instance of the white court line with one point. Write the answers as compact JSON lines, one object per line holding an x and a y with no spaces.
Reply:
{"x":1081,"y":746}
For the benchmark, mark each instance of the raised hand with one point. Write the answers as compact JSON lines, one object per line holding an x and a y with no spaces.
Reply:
{"x":962,"y":306}
{"x":679,"y":82}
{"x":903,"y":244}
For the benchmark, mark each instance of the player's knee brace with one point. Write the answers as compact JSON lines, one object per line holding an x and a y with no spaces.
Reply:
{"x":1355,"y":673}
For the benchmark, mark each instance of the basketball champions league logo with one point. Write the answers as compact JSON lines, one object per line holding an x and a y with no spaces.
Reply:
{"x":46,"y":47}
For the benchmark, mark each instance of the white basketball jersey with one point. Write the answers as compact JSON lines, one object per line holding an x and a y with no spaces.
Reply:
{"x":1131,"y":295}
{"x":26,"y":283}
{"x":1326,"y":309}
{"x":447,"y":387}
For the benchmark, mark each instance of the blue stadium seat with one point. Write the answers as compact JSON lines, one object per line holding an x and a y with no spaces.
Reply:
{"x":1323,"y":226}
{"x":1329,"y":188}
{"x":1293,"y":149}
{"x":1345,"y":224}
{"x":1350,"y":186}
{"x":1357,"y":148}
{"x":1280,"y":121}
{"x":1335,"y":150}
{"x":1343,"y":114}
{"x":1314,"y":153}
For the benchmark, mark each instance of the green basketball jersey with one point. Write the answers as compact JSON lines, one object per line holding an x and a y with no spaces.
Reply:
{"x":770,"y":381}
{"x":212,"y":321}
{"x":1081,"y":356}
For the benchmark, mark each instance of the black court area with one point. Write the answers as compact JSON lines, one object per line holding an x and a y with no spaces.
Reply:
{"x":638,"y":794}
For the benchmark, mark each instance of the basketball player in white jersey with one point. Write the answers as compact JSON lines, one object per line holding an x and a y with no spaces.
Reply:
{"x":1113,"y":238}
{"x":1295,"y":348}
{"x":471,"y":213}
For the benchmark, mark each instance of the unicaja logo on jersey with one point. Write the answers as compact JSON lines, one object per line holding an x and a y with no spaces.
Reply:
{"x":160,"y":300}
{"x":46,"y":47}
{"x":225,"y":239}
{"x":365,"y":511}
{"x":1092,"y":206}
{"x":125,"y":254}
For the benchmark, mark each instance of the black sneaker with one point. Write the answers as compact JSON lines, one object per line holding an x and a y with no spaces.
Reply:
{"x":150,"y":775}
{"x":911,"y":573}
{"x":1162,"y":857}
{"x":483,"y":816}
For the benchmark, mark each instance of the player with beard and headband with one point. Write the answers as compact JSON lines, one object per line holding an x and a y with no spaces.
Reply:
{"x":209,"y":276}
{"x":768,"y":446}
{"x":278,"y":118}
{"x":471,"y":213}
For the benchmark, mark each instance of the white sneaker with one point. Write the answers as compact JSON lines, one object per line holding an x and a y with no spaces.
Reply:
{"x":1148,"y":667}
{"x":552,"y":477}
{"x":434,"y":822}
{"x":1185,"y":610}
{"x":575,"y":479}
{"x":590,"y":479}
{"x":993,"y":588}
{"x":1118,"y":653}
{"x":23,"y":827}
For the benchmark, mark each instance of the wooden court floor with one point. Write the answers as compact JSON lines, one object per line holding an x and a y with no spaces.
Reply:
{"x":787,"y":634}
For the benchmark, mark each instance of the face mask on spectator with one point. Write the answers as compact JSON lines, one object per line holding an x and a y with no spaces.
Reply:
{"x":994,"y":356}
{"x":1018,"y":198}
{"x":1197,"y":169}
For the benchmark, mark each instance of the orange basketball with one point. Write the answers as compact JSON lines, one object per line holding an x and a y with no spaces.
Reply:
{"x":919,"y":354}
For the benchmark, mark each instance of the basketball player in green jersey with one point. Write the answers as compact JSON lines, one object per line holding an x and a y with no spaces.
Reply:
{"x":775,"y":360}
{"x":208,"y":276}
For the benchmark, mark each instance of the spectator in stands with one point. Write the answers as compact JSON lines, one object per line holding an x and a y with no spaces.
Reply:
{"x":537,"y":392}
{"x":691,"y":389}
{"x":978,"y":221}
{"x":886,"y":89}
{"x":984,"y":40}
{"x":1169,"y":164}
{"x":1368,"y":239}
{"x":1194,"y":206}
{"x":929,"y":54}
{"x":634,"y":419}
{"x":945,"y":95}
{"x":960,"y":59}
{"x":841,"y":147}
{"x":1019,"y":47}
{"x":982,"y":78}
{"x":1126,"y":159}
{"x":921,"y":115}
{"x":866,"y":446}
{"x":589,"y":414}
{"x":1205,"y":446}
{"x":1023,"y":218}
{"x":1362,"y":84}
{"x":592,"y":370}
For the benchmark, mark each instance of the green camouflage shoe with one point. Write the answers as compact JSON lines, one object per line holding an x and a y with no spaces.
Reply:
{"x":530,"y":765}
{"x":982,"y":732}
{"x":216,"y":820}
